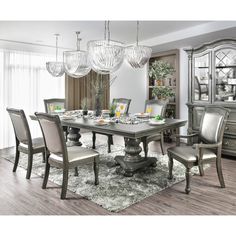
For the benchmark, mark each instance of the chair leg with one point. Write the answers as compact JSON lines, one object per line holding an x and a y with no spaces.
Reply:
{"x":188,"y":179}
{"x":94,"y":140}
{"x":201,"y":170}
{"x":111,"y":137}
{"x":44,"y":157}
{"x":46,"y":174}
{"x":109,"y":142}
{"x":96,"y":171}
{"x":64,"y":183}
{"x":76,"y":171}
{"x":29,"y":167}
{"x":170,"y":164}
{"x":219,"y":172}
{"x":162,"y":144}
{"x":16,"y":159}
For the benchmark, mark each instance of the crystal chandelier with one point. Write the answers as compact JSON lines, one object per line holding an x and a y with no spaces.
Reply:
{"x":137,"y":56}
{"x":76,"y":62}
{"x":55,"y":68}
{"x":106,"y":56}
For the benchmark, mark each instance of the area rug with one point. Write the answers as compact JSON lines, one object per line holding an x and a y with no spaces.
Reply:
{"x":114,"y":192}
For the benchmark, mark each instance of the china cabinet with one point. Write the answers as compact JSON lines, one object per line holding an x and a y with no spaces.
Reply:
{"x":212,"y":82}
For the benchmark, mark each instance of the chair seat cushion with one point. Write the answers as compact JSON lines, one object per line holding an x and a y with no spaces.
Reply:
{"x":38,"y":145}
{"x":189,"y":154}
{"x":76,"y":155}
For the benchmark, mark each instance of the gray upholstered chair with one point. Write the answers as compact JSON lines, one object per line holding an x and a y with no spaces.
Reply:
{"x":61,"y":156}
{"x":207,"y":149}
{"x":50,"y":106}
{"x":119,"y":101}
{"x":24,"y":141}
{"x":155,"y":107}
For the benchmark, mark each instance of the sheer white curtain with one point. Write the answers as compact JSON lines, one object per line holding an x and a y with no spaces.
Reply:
{"x":24,"y":84}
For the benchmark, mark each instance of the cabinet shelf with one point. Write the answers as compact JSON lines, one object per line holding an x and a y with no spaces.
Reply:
{"x":225,"y":67}
{"x":162,"y":86}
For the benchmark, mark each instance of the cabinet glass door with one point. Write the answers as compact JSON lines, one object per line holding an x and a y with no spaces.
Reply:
{"x":201,"y":77}
{"x":225,"y":75}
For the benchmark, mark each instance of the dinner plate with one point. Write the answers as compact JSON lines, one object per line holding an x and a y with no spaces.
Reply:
{"x":67,"y":117}
{"x":155,"y":122}
{"x":142,"y":115}
{"x":98,"y":122}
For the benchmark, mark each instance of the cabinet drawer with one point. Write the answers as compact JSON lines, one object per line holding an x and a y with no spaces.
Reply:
{"x":230,"y":128}
{"x":229,"y":143}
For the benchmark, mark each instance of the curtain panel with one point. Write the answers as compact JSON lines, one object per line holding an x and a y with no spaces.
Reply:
{"x":24,"y":84}
{"x":87,"y":87}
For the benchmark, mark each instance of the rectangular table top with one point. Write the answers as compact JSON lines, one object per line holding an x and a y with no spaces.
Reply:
{"x":126,"y":130}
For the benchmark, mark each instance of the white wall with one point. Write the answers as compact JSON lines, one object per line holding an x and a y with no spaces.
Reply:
{"x":130,"y":83}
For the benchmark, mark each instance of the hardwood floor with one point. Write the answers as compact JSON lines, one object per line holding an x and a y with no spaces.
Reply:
{"x":20,"y":196}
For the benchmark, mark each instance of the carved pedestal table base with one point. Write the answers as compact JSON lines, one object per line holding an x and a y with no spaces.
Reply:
{"x":133,"y":161}
{"x":73,"y":137}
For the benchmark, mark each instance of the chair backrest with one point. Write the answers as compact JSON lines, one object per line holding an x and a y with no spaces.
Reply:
{"x":53,"y":104}
{"x":53,"y":134}
{"x":213,"y":124}
{"x":20,"y":125}
{"x":122,"y":104}
{"x":156,"y":107}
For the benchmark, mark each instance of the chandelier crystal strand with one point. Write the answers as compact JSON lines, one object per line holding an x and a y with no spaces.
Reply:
{"x":106,"y":56}
{"x":137,"y":56}
{"x":55,"y":68}
{"x":76,"y":62}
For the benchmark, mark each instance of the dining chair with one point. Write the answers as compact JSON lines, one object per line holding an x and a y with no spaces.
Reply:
{"x":155,"y":107}
{"x":61,"y":156}
{"x":122,"y":105}
{"x":207,"y":148}
{"x":24,"y":141}
{"x":53,"y":104}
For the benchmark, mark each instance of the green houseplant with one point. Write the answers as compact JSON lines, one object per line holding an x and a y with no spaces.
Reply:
{"x":160,"y":70}
{"x":112,"y":109}
{"x":162,"y":92}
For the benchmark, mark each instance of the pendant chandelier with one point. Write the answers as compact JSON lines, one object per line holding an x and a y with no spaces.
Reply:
{"x":137,"y":56}
{"x":55,"y":68}
{"x":76,"y":62}
{"x":106,"y":56}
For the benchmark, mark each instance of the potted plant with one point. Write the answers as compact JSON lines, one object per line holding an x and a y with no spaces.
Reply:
{"x":84,"y":106}
{"x":162,"y":92}
{"x":112,"y":110}
{"x":160,"y":70}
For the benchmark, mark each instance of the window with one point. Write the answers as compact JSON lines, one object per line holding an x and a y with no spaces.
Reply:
{"x":24,"y":84}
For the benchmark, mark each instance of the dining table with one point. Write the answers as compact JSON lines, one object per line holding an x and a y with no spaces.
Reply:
{"x":132,"y":129}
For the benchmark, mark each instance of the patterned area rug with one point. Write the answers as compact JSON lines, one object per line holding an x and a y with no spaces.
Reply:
{"x":114,"y":192}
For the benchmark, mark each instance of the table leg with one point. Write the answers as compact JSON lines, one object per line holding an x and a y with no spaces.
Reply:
{"x":132,"y":161}
{"x":73,"y":137}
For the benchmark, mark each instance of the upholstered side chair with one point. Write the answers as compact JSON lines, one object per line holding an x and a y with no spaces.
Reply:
{"x":24,"y":141}
{"x":61,"y":156}
{"x":50,"y":106}
{"x":208,"y":148}
{"x":120,"y":102}
{"x":155,"y":107}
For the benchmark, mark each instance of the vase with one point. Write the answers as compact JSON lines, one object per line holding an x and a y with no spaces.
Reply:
{"x":85,"y":112}
{"x":98,"y":103}
{"x":159,"y":82}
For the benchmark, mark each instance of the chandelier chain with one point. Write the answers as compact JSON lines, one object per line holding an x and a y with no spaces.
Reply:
{"x":78,"y":41}
{"x":137,"y":33}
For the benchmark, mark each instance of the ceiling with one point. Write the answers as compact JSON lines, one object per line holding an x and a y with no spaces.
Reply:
{"x":42,"y":32}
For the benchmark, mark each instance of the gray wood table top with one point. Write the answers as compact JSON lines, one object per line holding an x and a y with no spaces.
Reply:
{"x":126,"y":130}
